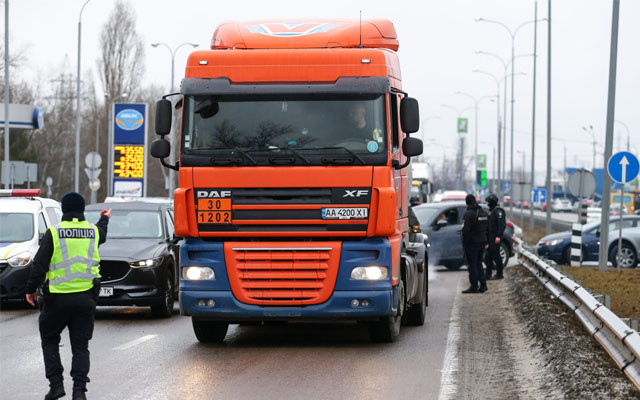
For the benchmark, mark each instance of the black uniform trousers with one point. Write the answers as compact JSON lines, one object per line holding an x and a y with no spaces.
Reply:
{"x":474,"y":253}
{"x":77,"y":312}
{"x":493,"y":260}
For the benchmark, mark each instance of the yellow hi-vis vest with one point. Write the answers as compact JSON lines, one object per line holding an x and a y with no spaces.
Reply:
{"x":75,"y":260}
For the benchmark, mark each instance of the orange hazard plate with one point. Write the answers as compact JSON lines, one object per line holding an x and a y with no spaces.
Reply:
{"x":214,"y":217}
{"x":214,"y":204}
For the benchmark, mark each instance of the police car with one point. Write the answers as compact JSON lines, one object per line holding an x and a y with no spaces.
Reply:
{"x":24,"y":219}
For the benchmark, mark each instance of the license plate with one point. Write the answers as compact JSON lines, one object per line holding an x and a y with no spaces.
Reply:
{"x":345,"y":213}
{"x":106,"y":291}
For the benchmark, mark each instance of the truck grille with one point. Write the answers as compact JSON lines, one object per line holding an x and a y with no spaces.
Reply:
{"x":282,"y":276}
{"x":113,"y":270}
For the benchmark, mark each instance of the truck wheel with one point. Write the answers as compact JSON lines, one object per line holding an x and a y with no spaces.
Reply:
{"x":209,"y":331}
{"x":164,"y":308}
{"x":387,"y":329}
{"x":416,"y":313}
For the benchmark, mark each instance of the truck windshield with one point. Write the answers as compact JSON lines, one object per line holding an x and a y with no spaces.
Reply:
{"x":16,"y":227}
{"x":285,"y":131}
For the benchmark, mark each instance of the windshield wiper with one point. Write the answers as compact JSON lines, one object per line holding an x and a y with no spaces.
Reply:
{"x":240,"y":151}
{"x":294,"y":152}
{"x":336,"y":148}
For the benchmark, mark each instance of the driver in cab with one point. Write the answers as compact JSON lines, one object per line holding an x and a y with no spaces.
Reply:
{"x":359,"y":130}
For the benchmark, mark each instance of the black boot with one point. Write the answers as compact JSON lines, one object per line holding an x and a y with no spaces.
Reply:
{"x":495,"y":278}
{"x":470,"y":290}
{"x":79,"y":394}
{"x":483,"y":288}
{"x":55,"y":392}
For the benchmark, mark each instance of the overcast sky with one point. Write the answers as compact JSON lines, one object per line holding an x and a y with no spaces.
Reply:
{"x":438,"y":40}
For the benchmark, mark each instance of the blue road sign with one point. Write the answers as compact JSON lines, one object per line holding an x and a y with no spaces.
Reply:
{"x":623,"y":167}
{"x":539,"y":195}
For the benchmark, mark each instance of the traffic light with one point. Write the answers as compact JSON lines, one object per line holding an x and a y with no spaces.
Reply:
{"x":481,"y":178}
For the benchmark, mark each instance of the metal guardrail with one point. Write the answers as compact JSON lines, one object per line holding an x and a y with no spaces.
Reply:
{"x":618,"y":339}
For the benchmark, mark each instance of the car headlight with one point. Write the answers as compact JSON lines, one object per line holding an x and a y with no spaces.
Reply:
{"x":151,"y":262}
{"x":198,"y":273}
{"x":554,"y":242}
{"x":20,"y":259}
{"x":371,"y":273}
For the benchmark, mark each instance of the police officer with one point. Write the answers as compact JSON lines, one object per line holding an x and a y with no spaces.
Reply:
{"x":474,"y":238}
{"x":497,"y":225}
{"x":68,"y":261}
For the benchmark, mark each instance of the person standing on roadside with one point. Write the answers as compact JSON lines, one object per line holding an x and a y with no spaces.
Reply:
{"x":497,"y":225}
{"x":474,"y":238}
{"x":68,"y":262}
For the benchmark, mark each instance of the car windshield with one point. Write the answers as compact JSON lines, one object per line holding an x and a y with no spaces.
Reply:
{"x":425,"y":214}
{"x":130,"y":223}
{"x":276,"y":130}
{"x":16,"y":227}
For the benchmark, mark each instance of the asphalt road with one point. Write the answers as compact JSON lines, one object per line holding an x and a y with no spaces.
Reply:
{"x":135,"y":356}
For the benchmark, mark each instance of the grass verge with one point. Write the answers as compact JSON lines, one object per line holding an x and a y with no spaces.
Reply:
{"x":623,"y":286}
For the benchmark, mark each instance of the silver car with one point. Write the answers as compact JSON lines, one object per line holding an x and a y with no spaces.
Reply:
{"x":630,"y":247}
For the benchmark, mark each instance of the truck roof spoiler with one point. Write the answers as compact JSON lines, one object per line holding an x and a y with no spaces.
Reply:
{"x":370,"y":85}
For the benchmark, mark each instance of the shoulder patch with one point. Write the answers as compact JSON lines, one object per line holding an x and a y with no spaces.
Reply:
{"x":500,"y":215}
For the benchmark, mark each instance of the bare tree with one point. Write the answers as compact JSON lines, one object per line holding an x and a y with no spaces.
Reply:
{"x":121,"y":61}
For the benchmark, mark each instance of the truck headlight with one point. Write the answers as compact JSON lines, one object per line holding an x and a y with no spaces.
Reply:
{"x":198,"y":273}
{"x":20,"y":259}
{"x":151,"y":262}
{"x":371,"y":273}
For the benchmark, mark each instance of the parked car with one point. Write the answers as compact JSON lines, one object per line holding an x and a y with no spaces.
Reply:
{"x":557,"y":246}
{"x":453,"y":195}
{"x":561,"y":205}
{"x":24,"y":219}
{"x":442,"y":222}
{"x":139,"y":261}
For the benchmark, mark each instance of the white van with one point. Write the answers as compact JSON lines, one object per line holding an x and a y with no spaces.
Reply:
{"x":24,"y":219}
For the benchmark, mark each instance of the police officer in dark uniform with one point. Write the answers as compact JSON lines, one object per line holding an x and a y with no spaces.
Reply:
{"x":497,"y":224}
{"x":68,"y":261}
{"x":474,"y":239}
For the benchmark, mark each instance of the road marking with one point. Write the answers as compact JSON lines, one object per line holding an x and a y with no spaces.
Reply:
{"x":134,"y":342}
{"x":448,"y":377}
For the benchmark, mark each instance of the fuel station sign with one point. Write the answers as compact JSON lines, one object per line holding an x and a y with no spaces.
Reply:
{"x":128,"y":150}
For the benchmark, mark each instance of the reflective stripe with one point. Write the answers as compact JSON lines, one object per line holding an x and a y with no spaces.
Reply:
{"x":75,"y":275}
{"x":66,"y":263}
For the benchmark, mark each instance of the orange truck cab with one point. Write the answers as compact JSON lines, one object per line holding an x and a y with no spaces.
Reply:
{"x":293,"y":192}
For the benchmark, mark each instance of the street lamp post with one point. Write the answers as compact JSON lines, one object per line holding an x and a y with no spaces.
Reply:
{"x":494,"y":174}
{"x":461,"y":153}
{"x":591,"y":132}
{"x":513,"y":34}
{"x":476,"y":102}
{"x":626,"y":127}
{"x":171,"y":135}
{"x":78,"y":102}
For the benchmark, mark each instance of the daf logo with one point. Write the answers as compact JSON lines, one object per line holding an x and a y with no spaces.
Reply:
{"x":209,"y":194}
{"x":355,"y":193}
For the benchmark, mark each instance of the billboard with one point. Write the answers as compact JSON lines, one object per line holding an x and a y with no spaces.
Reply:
{"x":128,"y":149}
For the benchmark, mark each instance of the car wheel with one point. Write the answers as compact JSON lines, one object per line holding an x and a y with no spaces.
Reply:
{"x":164,"y":308}
{"x":416,"y":313}
{"x":628,"y":256}
{"x":209,"y":331}
{"x":504,"y":254}
{"x":453,"y":266}
{"x":387,"y":329}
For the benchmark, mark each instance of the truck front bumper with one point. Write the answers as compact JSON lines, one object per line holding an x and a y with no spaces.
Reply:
{"x":339,"y":306}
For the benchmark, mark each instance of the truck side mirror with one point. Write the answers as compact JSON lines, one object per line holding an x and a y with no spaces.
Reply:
{"x":163,"y":117}
{"x":411,"y":147}
{"x":409,"y":115}
{"x":160,"y":148}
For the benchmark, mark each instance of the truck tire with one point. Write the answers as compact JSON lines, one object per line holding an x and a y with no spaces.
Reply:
{"x":387,"y":329}
{"x":209,"y":331}
{"x":416,"y":313}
